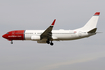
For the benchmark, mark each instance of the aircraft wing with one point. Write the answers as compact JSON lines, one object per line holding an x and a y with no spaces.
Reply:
{"x":47,"y":34}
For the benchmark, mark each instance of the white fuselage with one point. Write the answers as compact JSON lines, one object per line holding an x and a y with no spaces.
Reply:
{"x":57,"y":34}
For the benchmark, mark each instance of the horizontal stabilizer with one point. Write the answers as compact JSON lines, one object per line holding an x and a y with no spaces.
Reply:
{"x":93,"y":30}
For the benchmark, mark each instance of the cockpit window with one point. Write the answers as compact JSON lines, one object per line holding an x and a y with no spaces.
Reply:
{"x":7,"y":33}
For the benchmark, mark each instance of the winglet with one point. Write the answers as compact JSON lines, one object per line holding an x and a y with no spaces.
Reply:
{"x":97,"y":13}
{"x":53,"y":22}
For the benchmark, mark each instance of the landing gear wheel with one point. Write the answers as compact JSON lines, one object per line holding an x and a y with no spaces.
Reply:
{"x":11,"y":42}
{"x":51,"y":44}
{"x":48,"y":42}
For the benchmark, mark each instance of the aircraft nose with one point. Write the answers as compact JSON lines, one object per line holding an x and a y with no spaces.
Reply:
{"x":4,"y":36}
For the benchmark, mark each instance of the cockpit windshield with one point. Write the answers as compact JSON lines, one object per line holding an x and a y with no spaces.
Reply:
{"x":7,"y":33}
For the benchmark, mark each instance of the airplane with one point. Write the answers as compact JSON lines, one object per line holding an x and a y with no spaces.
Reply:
{"x":49,"y":35}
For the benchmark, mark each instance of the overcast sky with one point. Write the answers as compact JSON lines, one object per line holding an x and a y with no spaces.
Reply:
{"x":83,"y":54}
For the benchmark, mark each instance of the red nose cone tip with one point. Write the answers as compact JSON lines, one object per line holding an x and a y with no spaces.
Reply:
{"x":3,"y":36}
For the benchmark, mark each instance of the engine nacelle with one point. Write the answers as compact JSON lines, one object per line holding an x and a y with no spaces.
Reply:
{"x":35,"y":38}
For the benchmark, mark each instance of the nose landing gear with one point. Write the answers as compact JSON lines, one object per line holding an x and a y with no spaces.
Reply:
{"x":11,"y":41}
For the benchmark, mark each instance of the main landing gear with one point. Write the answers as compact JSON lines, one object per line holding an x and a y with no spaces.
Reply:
{"x":48,"y":42}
